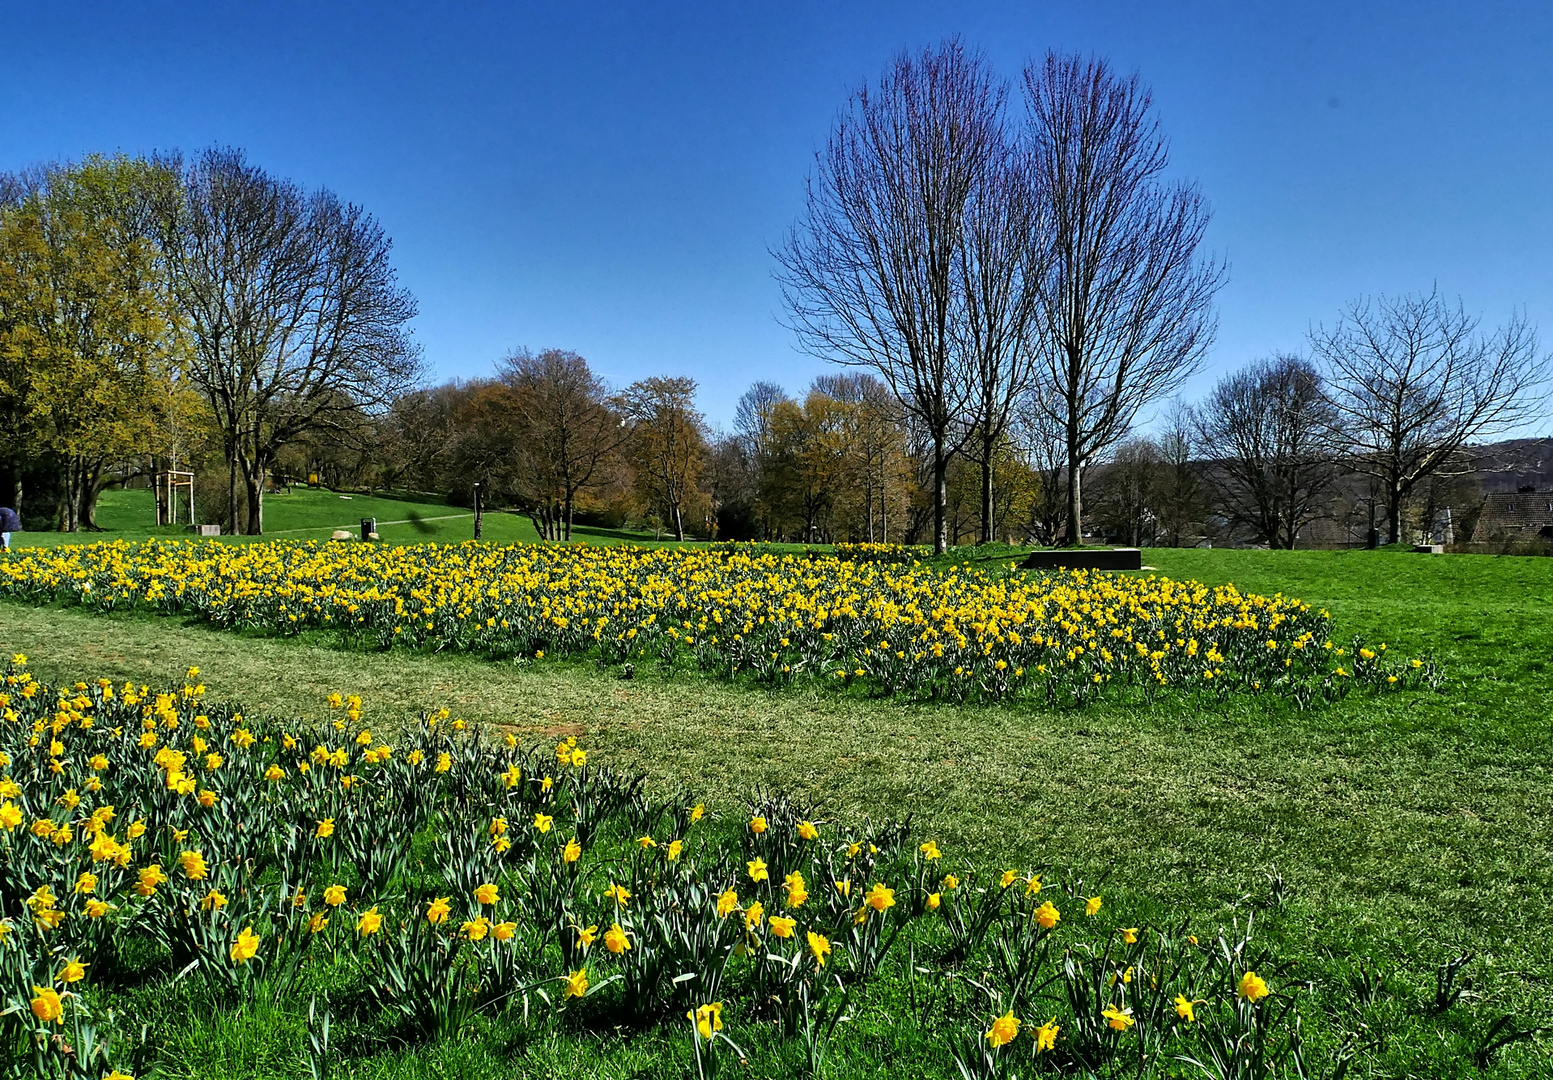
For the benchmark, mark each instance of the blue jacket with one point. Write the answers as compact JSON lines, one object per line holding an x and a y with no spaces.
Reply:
{"x":9,"y":522}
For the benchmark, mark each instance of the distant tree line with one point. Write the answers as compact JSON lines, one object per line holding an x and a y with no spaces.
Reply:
{"x":1011,"y":284}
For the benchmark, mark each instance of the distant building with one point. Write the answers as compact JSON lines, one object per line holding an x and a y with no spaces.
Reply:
{"x":1515,"y":515}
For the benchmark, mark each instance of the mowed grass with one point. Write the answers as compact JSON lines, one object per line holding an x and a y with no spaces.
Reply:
{"x":1387,"y":833}
{"x":314,"y":513}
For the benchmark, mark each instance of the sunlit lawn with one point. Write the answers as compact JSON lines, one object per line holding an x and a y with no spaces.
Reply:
{"x":1402,"y":829}
{"x":314,"y":513}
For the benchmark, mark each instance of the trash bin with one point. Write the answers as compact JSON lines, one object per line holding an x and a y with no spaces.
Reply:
{"x":368,"y":527}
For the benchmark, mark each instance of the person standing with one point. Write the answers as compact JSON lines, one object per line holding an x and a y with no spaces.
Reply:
{"x":10,"y":522}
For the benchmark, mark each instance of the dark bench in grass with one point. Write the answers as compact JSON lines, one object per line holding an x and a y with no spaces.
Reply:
{"x":1084,"y":559}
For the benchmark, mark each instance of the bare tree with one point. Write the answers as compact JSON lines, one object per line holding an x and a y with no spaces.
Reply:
{"x":1124,"y":311}
{"x":868,"y":274}
{"x":296,"y":315}
{"x":1268,"y":431}
{"x":1002,"y":254}
{"x":1180,"y":483}
{"x":754,"y":430}
{"x":1414,"y":381}
{"x":1129,"y":491}
{"x":1043,"y":445}
{"x":565,"y":424}
{"x":418,"y":435}
{"x":752,"y":416}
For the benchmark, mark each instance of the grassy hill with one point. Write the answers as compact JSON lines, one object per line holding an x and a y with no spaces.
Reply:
{"x":314,"y":513}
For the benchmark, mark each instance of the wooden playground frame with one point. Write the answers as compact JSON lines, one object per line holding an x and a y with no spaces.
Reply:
{"x":168,"y":484}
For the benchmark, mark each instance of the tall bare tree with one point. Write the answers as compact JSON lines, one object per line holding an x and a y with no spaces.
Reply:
{"x":1268,"y":432}
{"x":565,"y":425}
{"x":755,"y":432}
{"x":1414,"y":380}
{"x":418,"y":435}
{"x":296,"y":314}
{"x":1002,"y":255}
{"x":1179,"y":494}
{"x":1124,"y":311}
{"x":868,"y":274}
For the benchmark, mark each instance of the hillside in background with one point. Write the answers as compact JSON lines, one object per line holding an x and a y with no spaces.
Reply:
{"x":1514,"y":464}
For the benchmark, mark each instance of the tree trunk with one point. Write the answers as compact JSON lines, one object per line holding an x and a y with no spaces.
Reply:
{"x":231,"y":527}
{"x":254,"y":484}
{"x":71,"y":504}
{"x":1394,"y":514}
{"x":253,"y":467}
{"x":940,"y":497}
{"x":679,"y":525}
{"x":91,"y":488}
{"x":986,"y":490}
{"x":868,"y":498}
{"x":1075,"y":504}
{"x":884,"y":507}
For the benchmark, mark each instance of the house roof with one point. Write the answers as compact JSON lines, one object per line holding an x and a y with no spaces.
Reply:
{"x":1515,"y":511}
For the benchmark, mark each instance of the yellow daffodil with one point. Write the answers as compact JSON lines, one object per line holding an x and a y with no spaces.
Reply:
{"x":47,"y":1006}
{"x":1004,"y":1030}
{"x":1117,"y":1019}
{"x":246,"y":947}
{"x":616,"y":940}
{"x":1252,"y":987}
{"x":707,"y":1018}
{"x":819,"y":947}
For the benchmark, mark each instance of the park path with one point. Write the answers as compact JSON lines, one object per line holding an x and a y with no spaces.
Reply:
{"x":357,"y":524}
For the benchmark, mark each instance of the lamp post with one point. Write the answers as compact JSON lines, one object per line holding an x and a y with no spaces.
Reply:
{"x":477,"y":510}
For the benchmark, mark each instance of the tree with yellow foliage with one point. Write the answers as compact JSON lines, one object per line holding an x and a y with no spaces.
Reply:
{"x":89,"y":339}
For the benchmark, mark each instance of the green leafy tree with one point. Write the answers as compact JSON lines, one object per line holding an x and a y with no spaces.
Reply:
{"x":667,"y":446}
{"x":89,"y":339}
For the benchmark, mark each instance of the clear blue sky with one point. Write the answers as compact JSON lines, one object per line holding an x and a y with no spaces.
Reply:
{"x":609,"y":177}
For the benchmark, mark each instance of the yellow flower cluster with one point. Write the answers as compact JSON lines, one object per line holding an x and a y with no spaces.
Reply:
{"x":544,"y":869}
{"x":895,"y":627}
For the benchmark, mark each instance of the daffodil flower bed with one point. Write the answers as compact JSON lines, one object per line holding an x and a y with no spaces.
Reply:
{"x":961,"y":634}
{"x":456,"y":874}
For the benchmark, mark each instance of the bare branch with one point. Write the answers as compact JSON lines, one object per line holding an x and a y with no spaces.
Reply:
{"x":1414,"y":380}
{"x":1125,"y":308}
{"x":868,"y":275}
{"x":1268,"y":433}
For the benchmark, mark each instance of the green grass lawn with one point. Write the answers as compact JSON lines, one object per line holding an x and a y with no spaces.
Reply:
{"x":1402,"y":829}
{"x":314,"y":513}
